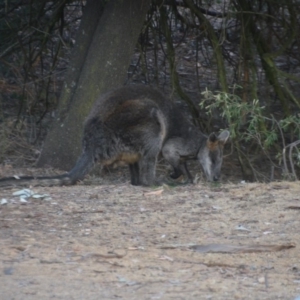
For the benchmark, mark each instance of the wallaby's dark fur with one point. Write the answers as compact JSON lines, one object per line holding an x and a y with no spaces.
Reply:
{"x":133,"y":124}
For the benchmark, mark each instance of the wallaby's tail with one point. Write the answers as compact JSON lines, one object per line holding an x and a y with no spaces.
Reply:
{"x":25,"y":181}
{"x":83,"y":165}
{"x":163,"y":124}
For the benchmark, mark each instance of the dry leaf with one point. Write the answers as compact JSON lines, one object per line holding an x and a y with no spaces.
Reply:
{"x":165,"y":257}
{"x":154,"y":193}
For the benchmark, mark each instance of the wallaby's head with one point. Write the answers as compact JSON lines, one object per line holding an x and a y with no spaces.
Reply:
{"x":210,"y":155}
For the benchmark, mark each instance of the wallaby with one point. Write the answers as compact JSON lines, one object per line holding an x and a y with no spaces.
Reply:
{"x":133,"y":124}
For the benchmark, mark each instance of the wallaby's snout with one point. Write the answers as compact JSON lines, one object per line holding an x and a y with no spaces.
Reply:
{"x":216,"y":178}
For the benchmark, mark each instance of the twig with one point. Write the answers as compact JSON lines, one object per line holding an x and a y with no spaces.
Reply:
{"x":291,"y":146}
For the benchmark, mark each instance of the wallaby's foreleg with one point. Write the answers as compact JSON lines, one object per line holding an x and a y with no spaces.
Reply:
{"x":134,"y":173}
{"x":176,"y":173}
{"x":171,"y":153}
{"x":173,"y":158}
{"x":186,"y":172}
{"x":182,"y":170}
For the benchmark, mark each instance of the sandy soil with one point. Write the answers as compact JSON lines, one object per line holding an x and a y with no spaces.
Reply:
{"x":116,"y":241}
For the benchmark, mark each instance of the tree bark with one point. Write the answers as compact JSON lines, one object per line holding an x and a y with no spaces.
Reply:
{"x":90,"y":18}
{"x":105,"y":67}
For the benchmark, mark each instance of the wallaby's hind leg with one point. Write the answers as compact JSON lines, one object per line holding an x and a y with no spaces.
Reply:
{"x":147,"y":170}
{"x":134,"y":173}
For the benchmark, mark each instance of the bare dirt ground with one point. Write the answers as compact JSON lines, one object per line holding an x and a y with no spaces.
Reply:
{"x":116,"y":241}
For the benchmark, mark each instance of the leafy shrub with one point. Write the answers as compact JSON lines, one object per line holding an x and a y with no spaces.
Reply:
{"x":250,"y":127}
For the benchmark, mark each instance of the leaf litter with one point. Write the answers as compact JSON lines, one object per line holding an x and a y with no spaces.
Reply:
{"x":144,"y":243}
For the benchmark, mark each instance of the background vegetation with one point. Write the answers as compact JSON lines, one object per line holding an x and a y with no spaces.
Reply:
{"x":233,"y":64}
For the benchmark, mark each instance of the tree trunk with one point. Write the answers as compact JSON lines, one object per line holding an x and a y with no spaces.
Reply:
{"x":88,"y":25}
{"x":104,"y":68}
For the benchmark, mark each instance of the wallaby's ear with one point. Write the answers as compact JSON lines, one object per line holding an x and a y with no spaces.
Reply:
{"x":213,"y":141}
{"x":223,"y":136}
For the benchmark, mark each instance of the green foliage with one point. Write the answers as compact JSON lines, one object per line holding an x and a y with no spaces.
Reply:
{"x":249,"y":126}
{"x":292,"y":124}
{"x":243,"y":119}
